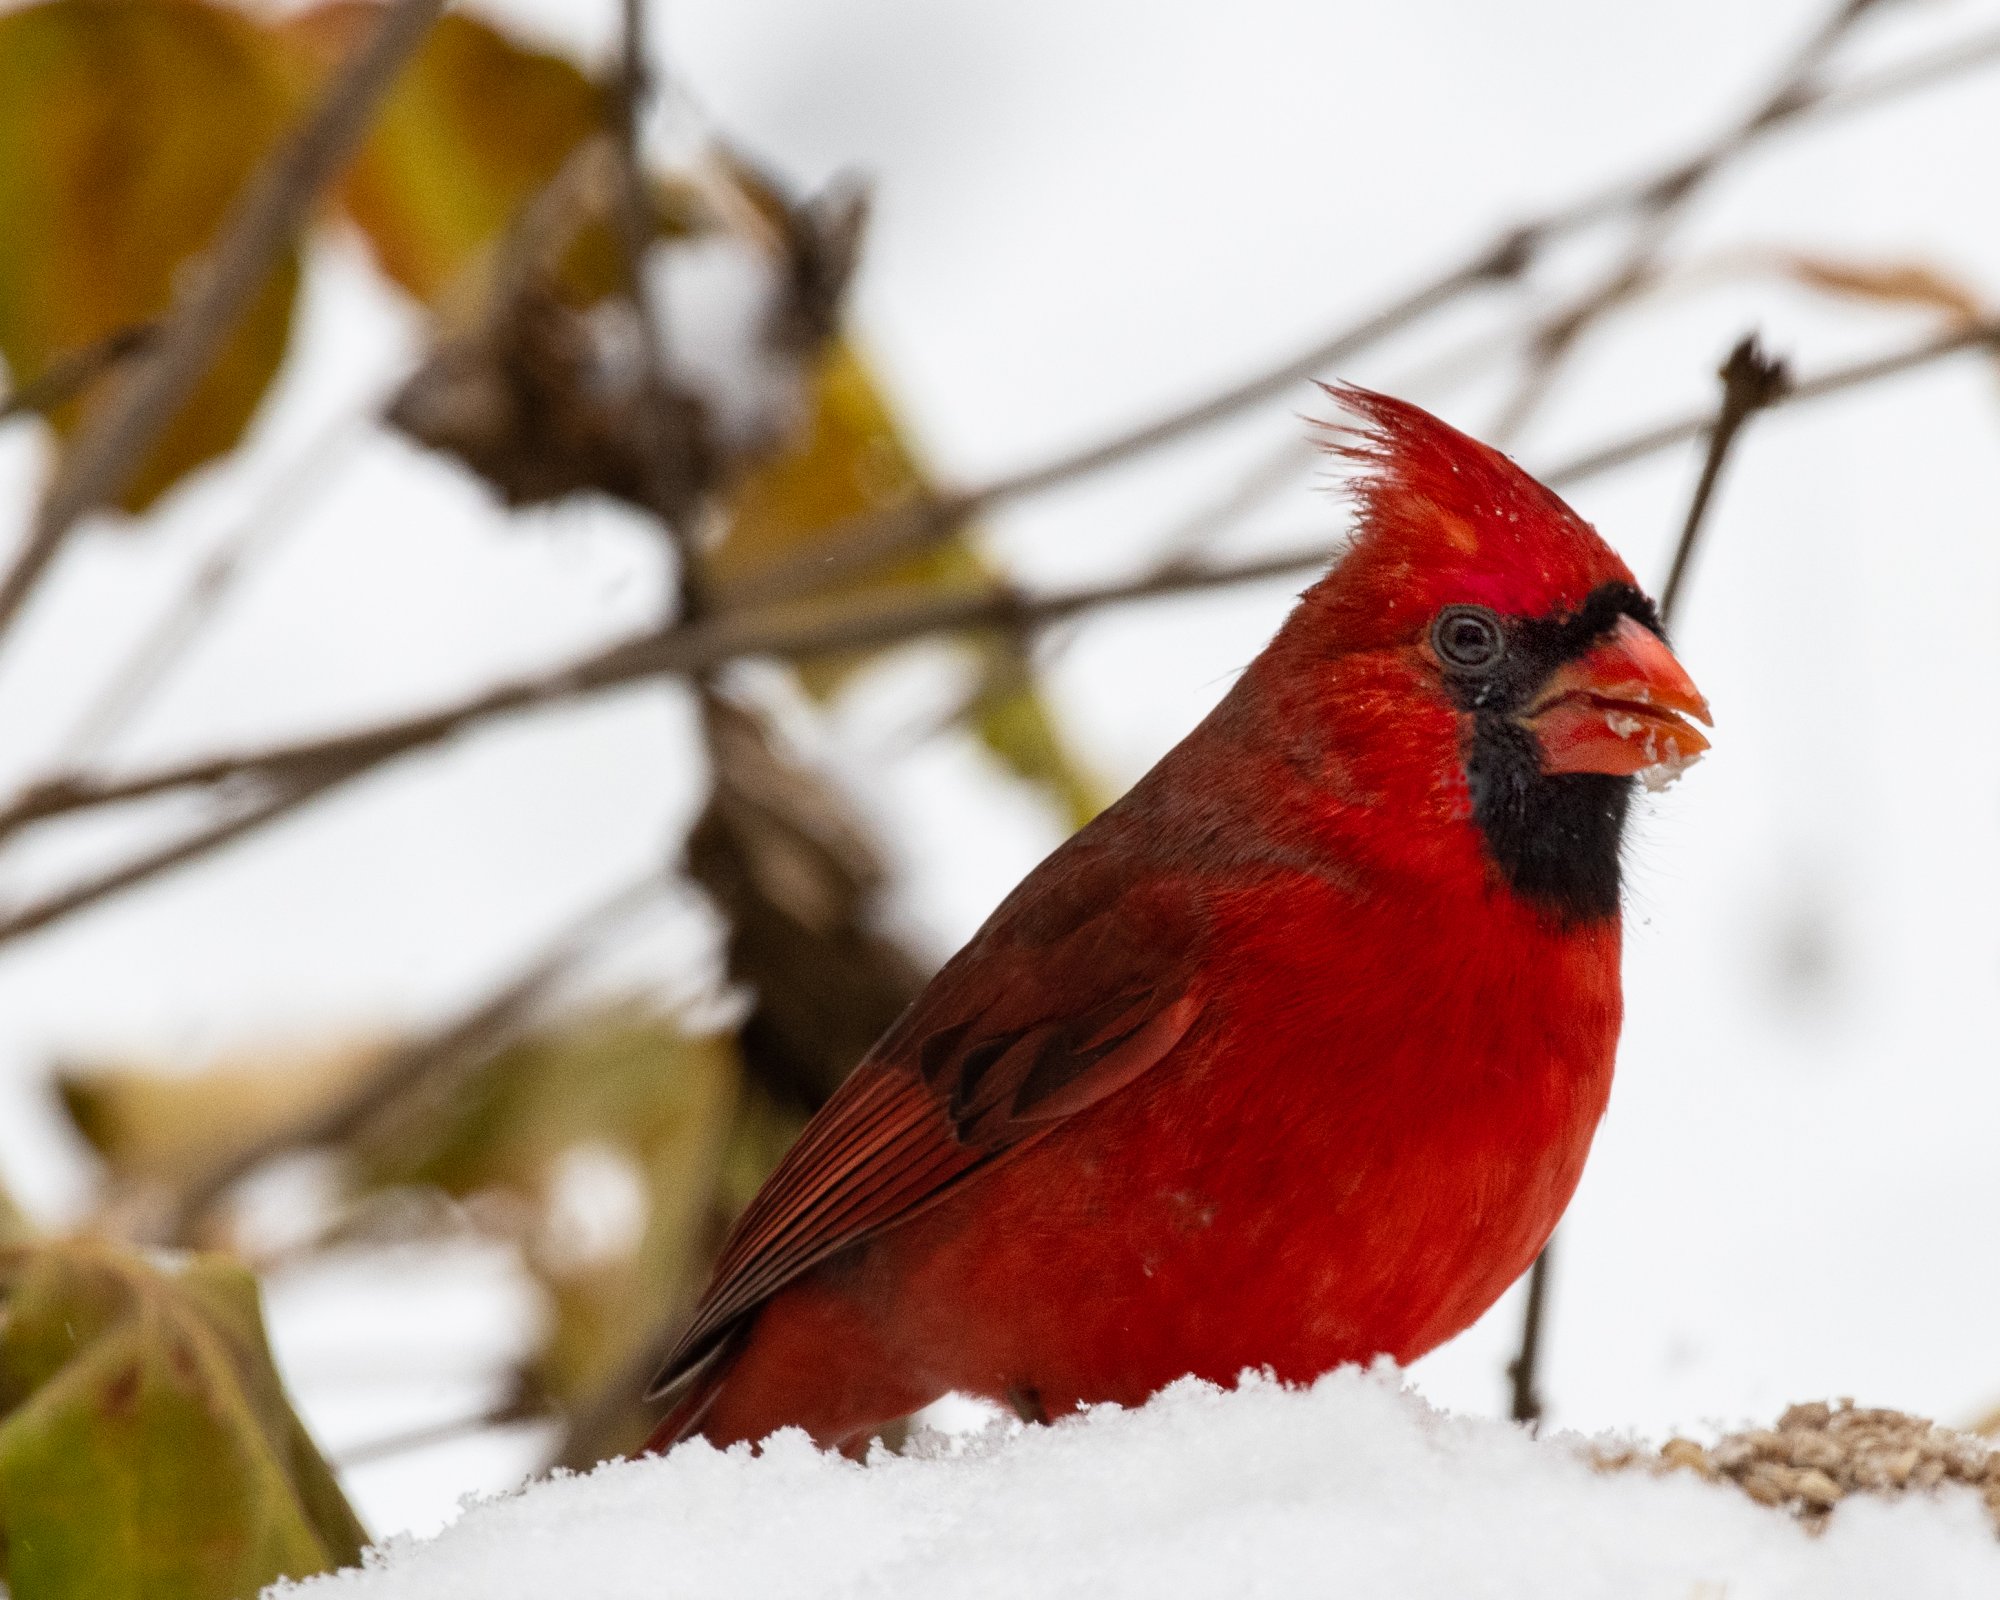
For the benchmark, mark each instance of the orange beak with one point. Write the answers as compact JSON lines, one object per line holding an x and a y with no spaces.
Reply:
{"x":1621,"y":708}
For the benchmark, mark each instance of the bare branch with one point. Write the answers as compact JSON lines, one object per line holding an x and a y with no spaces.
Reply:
{"x":1551,"y":342}
{"x":323,"y":763}
{"x":864,"y":542}
{"x":1751,"y":382}
{"x":266,"y":215}
{"x":509,"y":1412}
{"x":38,"y":914}
{"x":477,"y":1034}
{"x":70,"y":374}
{"x":671,"y":492}
{"x":152,"y":659}
{"x":1684,"y":430}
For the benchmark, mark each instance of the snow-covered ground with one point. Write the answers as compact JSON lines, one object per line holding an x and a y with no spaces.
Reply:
{"x":1354,"y":1488}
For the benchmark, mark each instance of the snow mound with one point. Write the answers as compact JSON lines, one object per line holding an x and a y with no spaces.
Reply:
{"x":1354,"y":1488}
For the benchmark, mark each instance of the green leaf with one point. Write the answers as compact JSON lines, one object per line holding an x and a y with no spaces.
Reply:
{"x":148,"y":1451}
{"x":126,"y":129}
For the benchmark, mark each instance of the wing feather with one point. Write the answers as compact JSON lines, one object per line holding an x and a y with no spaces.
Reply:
{"x":1078,"y":985}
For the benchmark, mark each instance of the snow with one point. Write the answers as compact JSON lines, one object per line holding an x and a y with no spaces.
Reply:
{"x":1355,"y":1487}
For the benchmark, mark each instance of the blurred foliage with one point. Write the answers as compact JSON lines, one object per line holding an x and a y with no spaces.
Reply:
{"x":475,"y":128}
{"x":147,"y":1450}
{"x":850,"y":458}
{"x":150,"y":1126}
{"x":623,"y":1099}
{"x":611,"y":1149}
{"x":14,"y":1225}
{"x":126,"y":129}
{"x":154,"y":1452}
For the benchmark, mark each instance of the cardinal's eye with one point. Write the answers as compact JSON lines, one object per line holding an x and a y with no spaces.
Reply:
{"x":1468,"y":637}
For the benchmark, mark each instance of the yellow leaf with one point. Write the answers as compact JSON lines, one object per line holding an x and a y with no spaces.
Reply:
{"x":477,"y":124}
{"x":170,"y":1127}
{"x":147,"y":1449}
{"x":850,"y":459}
{"x":1015,"y":725}
{"x":126,"y":129}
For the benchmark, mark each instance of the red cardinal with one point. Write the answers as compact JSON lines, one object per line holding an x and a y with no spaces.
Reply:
{"x":1293,"y":1056}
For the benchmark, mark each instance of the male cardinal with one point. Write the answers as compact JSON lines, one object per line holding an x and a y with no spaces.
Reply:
{"x":1292,"y":1057}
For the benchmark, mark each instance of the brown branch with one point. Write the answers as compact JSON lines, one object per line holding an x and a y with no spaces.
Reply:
{"x":863,"y":542}
{"x":265,"y":216}
{"x":74,"y":371}
{"x":516,"y":1409}
{"x":667,"y":423}
{"x":38,"y":914}
{"x":326,"y":762}
{"x":1751,"y":382}
{"x":1685,"y":430}
{"x":1557,"y":335}
{"x":415,"y":1067}
{"x":1525,"y":1404}
{"x":151,"y":660}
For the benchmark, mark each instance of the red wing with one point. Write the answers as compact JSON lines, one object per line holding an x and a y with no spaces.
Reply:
{"x":1077,"y":986}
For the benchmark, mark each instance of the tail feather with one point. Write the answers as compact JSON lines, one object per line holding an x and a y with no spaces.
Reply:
{"x":698,"y":1388}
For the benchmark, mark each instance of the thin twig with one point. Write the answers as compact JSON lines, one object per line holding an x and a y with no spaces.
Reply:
{"x":329,"y":761}
{"x":1526,"y":1403}
{"x":479,"y":1032}
{"x":38,"y":914}
{"x":405,"y":1440}
{"x":150,"y":662}
{"x":264,"y":218}
{"x":767,"y":632}
{"x":1557,"y":335}
{"x":1696,"y":425}
{"x":861,"y":543}
{"x":670,"y":491}
{"x":1751,"y":382}
{"x":71,"y":373}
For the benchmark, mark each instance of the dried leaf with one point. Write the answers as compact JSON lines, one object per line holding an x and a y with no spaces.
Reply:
{"x":535,"y":402}
{"x":850,"y":458}
{"x":126,"y":129}
{"x":1908,"y":283}
{"x":147,"y":1449}
{"x":798,"y":882}
{"x":152,"y":1125}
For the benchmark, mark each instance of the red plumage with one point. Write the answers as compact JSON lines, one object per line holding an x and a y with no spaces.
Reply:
{"x":1293,"y":1056}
